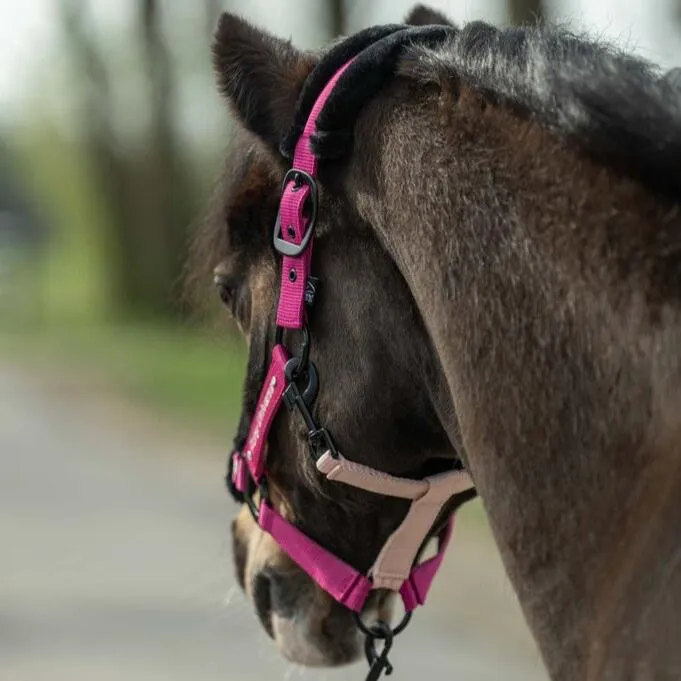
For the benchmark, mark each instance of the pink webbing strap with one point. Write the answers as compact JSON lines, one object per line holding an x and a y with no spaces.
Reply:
{"x":268,"y":403}
{"x":347,"y":585}
{"x":394,"y":567}
{"x":344,"y":583}
{"x":415,"y":589}
{"x":296,"y":269}
{"x":240,"y":472}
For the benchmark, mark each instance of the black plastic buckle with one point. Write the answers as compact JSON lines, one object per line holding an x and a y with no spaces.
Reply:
{"x":301,"y":178}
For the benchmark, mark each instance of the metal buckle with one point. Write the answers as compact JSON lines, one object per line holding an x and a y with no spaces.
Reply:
{"x":300,"y":177}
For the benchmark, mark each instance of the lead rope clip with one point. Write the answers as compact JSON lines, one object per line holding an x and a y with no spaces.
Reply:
{"x":378,"y":662}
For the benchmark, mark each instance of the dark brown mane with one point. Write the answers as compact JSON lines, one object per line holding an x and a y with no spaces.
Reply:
{"x":248,"y":176}
{"x":617,"y":107}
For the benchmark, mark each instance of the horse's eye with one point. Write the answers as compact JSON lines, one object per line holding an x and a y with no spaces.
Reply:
{"x":227,"y":288}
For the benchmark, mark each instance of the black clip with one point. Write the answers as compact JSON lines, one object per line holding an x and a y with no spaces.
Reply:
{"x":379,"y":631}
{"x":378,"y":662}
{"x":319,"y":439}
{"x":293,"y":396}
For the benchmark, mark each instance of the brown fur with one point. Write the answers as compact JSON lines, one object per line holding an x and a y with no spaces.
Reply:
{"x":567,"y":329}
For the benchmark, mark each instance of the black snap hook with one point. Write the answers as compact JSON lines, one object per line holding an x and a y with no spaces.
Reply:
{"x":379,"y":631}
{"x":292,"y":371}
{"x":378,"y":662}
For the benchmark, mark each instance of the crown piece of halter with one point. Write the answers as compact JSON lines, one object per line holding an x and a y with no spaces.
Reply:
{"x":396,"y":567}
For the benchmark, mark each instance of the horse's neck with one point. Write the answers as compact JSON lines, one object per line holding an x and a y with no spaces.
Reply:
{"x":553,"y":368}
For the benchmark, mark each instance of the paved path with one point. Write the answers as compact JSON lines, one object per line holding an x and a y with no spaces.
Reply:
{"x":115,"y":561}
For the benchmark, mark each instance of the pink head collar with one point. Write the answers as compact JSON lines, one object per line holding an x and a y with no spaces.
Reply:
{"x":395,"y":566}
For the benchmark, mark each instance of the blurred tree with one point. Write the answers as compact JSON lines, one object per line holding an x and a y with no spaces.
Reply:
{"x":23,"y":237}
{"x":166,"y":197}
{"x":337,"y":17}
{"x":525,"y":11}
{"x":212,"y":11}
{"x":99,"y":140}
{"x":146,"y":191}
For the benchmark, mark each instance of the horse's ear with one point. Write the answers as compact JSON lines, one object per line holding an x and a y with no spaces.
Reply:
{"x":421,"y":15}
{"x":260,"y":75}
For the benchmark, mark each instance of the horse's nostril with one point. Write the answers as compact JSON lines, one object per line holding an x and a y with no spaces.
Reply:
{"x":262,"y":599}
{"x":286,"y":592}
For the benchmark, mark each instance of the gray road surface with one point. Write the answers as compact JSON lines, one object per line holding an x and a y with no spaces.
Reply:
{"x":115,"y":560}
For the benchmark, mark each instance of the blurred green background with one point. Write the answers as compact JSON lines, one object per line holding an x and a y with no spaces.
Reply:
{"x":118,"y":397}
{"x":107,"y":159}
{"x":111,"y":138}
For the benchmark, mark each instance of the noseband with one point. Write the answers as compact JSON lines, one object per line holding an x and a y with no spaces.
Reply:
{"x":292,"y":381}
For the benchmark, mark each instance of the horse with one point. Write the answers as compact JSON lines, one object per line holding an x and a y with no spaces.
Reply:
{"x":498,"y":254}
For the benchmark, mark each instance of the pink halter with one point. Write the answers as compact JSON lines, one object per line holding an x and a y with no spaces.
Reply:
{"x":394,"y":567}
